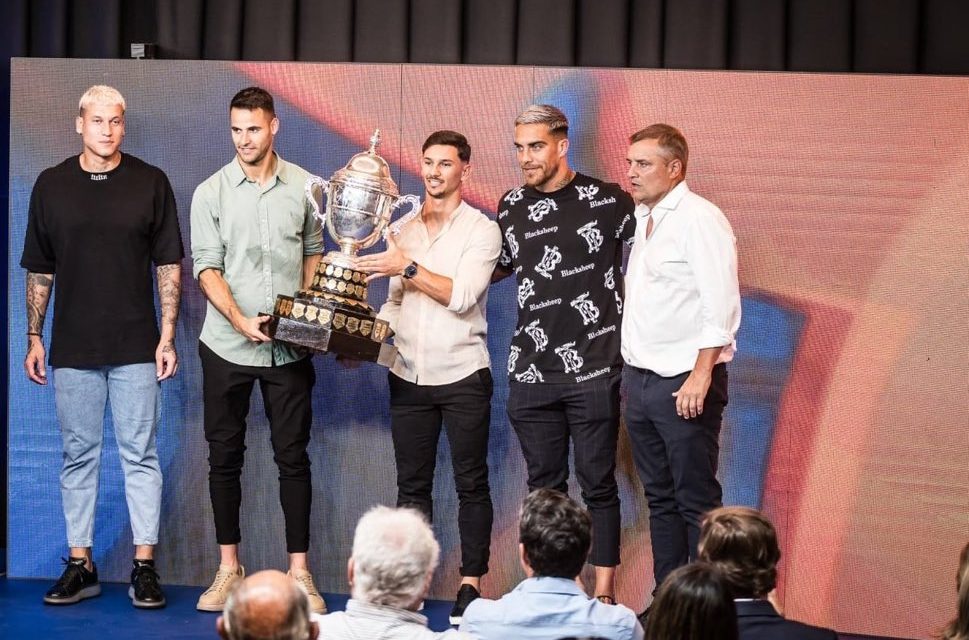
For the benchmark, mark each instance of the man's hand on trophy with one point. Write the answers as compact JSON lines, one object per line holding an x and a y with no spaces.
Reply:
{"x":385,"y":264}
{"x":251,"y":328}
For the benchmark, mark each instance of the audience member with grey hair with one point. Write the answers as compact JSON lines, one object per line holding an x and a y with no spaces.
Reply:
{"x":393,"y":559}
{"x":267,"y":605}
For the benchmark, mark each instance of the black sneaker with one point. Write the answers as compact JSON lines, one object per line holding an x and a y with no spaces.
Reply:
{"x":466,"y":595}
{"x":145,"y":592}
{"x":75,"y":584}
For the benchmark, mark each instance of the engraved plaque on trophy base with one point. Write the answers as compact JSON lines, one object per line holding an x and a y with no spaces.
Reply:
{"x":333,"y":317}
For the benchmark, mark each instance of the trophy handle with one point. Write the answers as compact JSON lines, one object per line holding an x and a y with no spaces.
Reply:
{"x":415,"y":210}
{"x":315,"y":189}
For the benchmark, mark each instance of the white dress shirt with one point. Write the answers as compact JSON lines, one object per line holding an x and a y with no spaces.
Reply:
{"x":437,"y":344}
{"x":682,"y":293}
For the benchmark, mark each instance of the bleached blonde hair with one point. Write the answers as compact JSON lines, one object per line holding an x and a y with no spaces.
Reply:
{"x":100,"y":94}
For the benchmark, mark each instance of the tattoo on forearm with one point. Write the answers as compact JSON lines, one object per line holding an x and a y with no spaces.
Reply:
{"x":38,"y":295}
{"x":169,"y":292}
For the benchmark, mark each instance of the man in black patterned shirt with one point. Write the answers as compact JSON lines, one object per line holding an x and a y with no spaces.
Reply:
{"x":562,"y":236}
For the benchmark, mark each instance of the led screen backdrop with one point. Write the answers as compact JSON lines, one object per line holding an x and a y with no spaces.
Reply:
{"x":847,"y":419}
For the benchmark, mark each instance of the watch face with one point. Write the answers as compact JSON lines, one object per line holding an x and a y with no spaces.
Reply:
{"x":410,"y":270}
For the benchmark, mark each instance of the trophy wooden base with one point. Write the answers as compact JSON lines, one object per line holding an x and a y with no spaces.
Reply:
{"x":331,"y":325}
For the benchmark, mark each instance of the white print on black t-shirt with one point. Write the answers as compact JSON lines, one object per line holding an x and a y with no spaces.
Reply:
{"x":590,"y":232}
{"x":537,"y":211}
{"x":505,"y":260}
{"x":537,"y":334}
{"x":618,"y":301}
{"x":621,"y":226}
{"x":574,"y":270}
{"x":539,"y":232}
{"x":515,"y":195}
{"x":570,"y":357}
{"x":531,"y":374}
{"x":588,"y":309}
{"x":608,"y":280}
{"x":586,"y":193}
{"x":549,"y":261}
{"x":513,"y":358}
{"x":526,"y":289}
{"x":97,"y":177}
{"x":512,"y":242}
{"x":502,"y":213}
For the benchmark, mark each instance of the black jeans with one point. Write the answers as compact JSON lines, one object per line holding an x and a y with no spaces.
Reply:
{"x":464,"y":407}
{"x":287,"y":392}
{"x":545,"y":416}
{"x":676,"y":459}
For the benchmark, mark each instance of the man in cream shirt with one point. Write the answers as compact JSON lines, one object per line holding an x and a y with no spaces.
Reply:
{"x":440,"y":267}
{"x":681,"y":318}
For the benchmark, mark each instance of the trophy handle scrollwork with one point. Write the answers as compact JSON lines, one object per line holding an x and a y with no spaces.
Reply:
{"x":415,"y":210}
{"x":315,"y":192}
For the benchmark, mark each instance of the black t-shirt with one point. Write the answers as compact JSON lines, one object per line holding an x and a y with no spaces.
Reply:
{"x":98,"y":233}
{"x":566,"y":250}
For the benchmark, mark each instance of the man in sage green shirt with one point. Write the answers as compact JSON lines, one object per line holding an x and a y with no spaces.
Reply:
{"x":254,"y":236}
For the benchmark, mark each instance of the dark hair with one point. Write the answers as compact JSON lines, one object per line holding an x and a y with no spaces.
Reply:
{"x":743,"y":545}
{"x":693,"y":603}
{"x":555,"y":532}
{"x":252,"y":98}
{"x":670,"y":140}
{"x":958,"y":628}
{"x":452,"y":139}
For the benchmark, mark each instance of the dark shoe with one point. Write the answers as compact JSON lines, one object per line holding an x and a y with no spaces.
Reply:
{"x":145,"y":592}
{"x":644,"y":616}
{"x":466,"y":595}
{"x":76,"y":583}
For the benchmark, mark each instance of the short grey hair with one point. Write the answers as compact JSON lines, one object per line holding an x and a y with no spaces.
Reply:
{"x":100,"y":94}
{"x":245,"y":606}
{"x":394,"y":553}
{"x":551,"y":116}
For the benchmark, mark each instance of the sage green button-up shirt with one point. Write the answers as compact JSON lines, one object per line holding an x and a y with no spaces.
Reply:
{"x":257,"y":236}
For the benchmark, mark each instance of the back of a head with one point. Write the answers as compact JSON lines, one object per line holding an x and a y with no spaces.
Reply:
{"x":556,"y":534}
{"x":958,"y":629}
{"x":394,"y":555}
{"x":743,"y":544}
{"x":267,"y":605}
{"x":693,"y":603}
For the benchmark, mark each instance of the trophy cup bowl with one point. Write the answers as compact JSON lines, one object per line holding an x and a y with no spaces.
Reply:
{"x":333,"y":314}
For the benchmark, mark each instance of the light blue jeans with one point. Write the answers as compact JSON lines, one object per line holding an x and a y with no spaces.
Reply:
{"x":81,"y":396}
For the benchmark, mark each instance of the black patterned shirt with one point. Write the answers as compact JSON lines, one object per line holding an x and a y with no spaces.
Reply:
{"x":565,"y":247}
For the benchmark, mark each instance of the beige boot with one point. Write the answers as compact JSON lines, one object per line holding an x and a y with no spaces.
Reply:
{"x":215,"y":596}
{"x":305,"y":580}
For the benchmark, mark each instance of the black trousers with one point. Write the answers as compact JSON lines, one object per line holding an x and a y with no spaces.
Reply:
{"x":287,"y":393}
{"x":545,"y":417}
{"x":676,"y":459}
{"x":464,"y":407}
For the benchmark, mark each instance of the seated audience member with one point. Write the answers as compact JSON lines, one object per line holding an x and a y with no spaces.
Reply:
{"x":393,"y":559}
{"x":693,"y":603}
{"x":958,"y":629}
{"x":267,"y":605}
{"x":742,"y":543}
{"x":554,"y":535}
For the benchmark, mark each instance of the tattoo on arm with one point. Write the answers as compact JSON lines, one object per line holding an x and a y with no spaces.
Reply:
{"x":169,"y":293}
{"x":38,"y":295}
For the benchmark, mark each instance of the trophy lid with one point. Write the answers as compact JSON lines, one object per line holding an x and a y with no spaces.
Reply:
{"x":368,"y":167}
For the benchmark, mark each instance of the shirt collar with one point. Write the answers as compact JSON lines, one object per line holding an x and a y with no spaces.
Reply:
{"x":672,"y":199}
{"x":377,"y":610}
{"x":548,"y":584}
{"x":237,"y":175}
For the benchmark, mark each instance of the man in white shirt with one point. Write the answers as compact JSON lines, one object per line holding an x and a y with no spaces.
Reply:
{"x":440,"y":267}
{"x":682,"y":314}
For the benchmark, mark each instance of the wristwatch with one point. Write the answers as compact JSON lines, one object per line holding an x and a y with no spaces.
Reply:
{"x":410,"y":271}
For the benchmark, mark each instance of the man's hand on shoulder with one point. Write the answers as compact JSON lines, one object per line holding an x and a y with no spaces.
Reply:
{"x":34,"y":362}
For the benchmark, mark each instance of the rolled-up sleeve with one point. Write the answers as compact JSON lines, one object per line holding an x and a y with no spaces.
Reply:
{"x":208,"y":251}
{"x":712,"y":254}
{"x":312,"y":231}
{"x":473,"y":275}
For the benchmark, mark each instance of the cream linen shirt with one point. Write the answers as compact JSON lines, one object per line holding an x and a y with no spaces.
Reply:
{"x":437,"y":344}
{"x":682,"y":293}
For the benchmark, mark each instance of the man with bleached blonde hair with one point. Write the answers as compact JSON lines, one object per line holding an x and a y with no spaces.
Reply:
{"x":101,"y":220}
{"x":393,"y":560}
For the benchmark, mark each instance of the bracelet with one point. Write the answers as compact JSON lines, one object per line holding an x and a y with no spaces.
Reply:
{"x":34,"y":333}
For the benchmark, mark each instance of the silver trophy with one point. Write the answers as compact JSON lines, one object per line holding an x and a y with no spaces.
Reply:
{"x":333,"y":314}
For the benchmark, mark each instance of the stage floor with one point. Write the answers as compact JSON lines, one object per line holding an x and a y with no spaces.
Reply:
{"x":23,"y":614}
